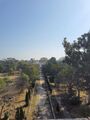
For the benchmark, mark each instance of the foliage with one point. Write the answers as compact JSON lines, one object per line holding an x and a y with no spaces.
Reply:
{"x":50,"y":68}
{"x":27,"y":97}
{"x":20,"y":115}
{"x":25,"y":77}
{"x":2,"y":83}
{"x":17,"y":116}
{"x":29,"y":93}
{"x":66,"y":71}
{"x":78,"y":55}
{"x":6,"y":116}
{"x":10,"y":65}
{"x":43,"y":60}
{"x":32,"y":70}
{"x":57,"y":71}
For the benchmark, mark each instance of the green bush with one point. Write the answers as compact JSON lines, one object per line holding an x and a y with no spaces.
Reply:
{"x":25,"y":77}
{"x":20,"y":114}
{"x":6,"y":116}
{"x":2,"y":83}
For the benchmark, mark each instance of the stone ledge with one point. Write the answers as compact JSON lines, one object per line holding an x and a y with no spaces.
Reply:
{"x":71,"y":119}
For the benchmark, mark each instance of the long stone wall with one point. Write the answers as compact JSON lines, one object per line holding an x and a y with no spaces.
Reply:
{"x":72,"y":119}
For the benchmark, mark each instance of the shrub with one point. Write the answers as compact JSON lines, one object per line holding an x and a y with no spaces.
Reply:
{"x":6,"y":116}
{"x":2,"y":83}
{"x":27,"y":99}
{"x":20,"y":115}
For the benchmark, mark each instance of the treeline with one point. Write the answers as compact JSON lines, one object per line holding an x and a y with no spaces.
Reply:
{"x":74,"y":69}
{"x":8,"y":65}
{"x":28,"y":73}
{"x":27,"y":70}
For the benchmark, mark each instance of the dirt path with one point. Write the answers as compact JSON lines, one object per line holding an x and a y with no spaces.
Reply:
{"x":43,"y":105}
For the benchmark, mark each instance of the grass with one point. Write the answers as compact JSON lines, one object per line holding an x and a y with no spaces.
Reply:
{"x":21,"y":96}
{"x":2,"y":83}
{"x":4,"y":79}
{"x":52,"y":84}
{"x":34,"y":101}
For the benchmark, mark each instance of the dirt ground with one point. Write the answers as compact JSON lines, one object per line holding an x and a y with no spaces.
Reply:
{"x":12,"y":96}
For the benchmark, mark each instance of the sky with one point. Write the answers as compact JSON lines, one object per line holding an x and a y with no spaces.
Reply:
{"x":36,"y":28}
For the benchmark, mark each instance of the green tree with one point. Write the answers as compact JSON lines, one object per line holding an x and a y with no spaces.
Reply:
{"x":20,"y":115}
{"x":25,"y":77}
{"x":50,"y":69}
{"x":32,"y":70}
{"x":27,"y":99}
{"x":65,"y":75}
{"x":78,"y":56}
{"x":6,"y":116}
{"x":17,"y":116}
{"x":29,"y":93}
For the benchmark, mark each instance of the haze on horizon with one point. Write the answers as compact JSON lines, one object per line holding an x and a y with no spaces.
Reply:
{"x":36,"y":28}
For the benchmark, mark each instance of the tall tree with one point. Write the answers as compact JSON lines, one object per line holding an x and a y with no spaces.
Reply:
{"x":27,"y":99}
{"x":78,"y":56}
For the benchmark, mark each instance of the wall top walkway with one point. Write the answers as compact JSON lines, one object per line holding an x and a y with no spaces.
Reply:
{"x":72,"y":119}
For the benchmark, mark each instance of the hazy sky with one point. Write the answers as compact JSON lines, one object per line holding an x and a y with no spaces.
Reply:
{"x":36,"y":28}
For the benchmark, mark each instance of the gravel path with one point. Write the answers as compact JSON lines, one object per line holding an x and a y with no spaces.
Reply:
{"x":44,"y":111}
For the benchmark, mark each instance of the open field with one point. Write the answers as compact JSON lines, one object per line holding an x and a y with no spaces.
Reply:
{"x":12,"y":95}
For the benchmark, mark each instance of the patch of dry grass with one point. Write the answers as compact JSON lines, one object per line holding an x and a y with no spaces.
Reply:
{"x":21,"y":97}
{"x":83,"y":93}
{"x":33,"y":106}
{"x":9,"y":77}
{"x":58,"y":92}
